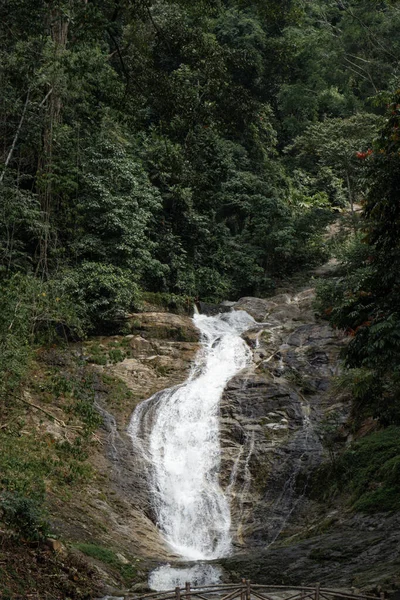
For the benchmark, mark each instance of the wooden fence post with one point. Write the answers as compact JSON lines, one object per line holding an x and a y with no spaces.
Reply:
{"x":187,"y":589}
{"x":243,"y":591}
{"x":248,"y":590}
{"x":178,"y":593}
{"x":317,"y":588}
{"x":303,"y":593}
{"x":382,"y":595}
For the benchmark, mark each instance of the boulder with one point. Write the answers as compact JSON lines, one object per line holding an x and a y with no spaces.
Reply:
{"x":163,"y":326}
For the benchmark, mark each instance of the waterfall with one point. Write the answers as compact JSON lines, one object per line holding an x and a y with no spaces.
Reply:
{"x":177,"y":431}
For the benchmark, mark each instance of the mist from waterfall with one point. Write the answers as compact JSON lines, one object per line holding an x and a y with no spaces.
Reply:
{"x":177,"y":431}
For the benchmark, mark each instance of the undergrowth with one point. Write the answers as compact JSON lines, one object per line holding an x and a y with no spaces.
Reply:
{"x":367,"y":473}
{"x":169,"y":302}
{"x":127,"y":570}
{"x":44,"y":450}
{"x":111,"y":352}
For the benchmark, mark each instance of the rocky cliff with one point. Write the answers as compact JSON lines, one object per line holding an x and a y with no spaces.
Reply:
{"x":275,"y":422}
{"x":157,"y":354}
{"x":272,"y":415}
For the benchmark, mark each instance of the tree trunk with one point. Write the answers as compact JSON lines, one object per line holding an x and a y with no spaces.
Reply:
{"x":11,"y":152}
{"x":351,"y":200}
{"x":58,"y":26}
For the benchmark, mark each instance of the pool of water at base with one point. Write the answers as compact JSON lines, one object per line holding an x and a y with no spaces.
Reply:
{"x":167,"y":577}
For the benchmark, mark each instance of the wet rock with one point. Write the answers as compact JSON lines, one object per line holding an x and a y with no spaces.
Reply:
{"x":256,"y":307}
{"x":270,"y":415}
{"x":309,"y":334}
{"x":270,"y":418}
{"x":115,"y":508}
{"x":360,"y":551}
{"x":213,"y":309}
{"x":163,"y":326}
{"x":158,"y":364}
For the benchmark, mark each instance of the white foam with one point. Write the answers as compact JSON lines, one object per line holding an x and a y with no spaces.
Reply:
{"x":177,"y":431}
{"x":166,"y":578}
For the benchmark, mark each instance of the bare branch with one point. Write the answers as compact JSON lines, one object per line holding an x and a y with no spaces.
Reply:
{"x":368,"y":74}
{"x":359,"y":58}
{"x":11,"y":152}
{"x":370,"y":34}
{"x":45,"y":98}
{"x":47,"y":413}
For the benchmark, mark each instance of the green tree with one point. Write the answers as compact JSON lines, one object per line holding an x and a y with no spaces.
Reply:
{"x":339,"y":144}
{"x":364,"y":300}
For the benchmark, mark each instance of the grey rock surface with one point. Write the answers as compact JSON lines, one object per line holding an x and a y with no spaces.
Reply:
{"x":271,"y":416}
{"x":360,"y":552}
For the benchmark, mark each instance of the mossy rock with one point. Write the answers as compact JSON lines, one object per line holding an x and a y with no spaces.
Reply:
{"x":164,"y":326}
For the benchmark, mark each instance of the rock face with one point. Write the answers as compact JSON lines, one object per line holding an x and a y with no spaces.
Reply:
{"x":273,"y":414}
{"x":163,"y":346}
{"x":356,"y":552}
{"x":152,"y":325}
{"x":270,"y":418}
{"x":117,"y":509}
{"x":274,"y":418}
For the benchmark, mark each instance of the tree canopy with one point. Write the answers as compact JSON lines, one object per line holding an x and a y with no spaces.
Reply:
{"x":194,"y":149}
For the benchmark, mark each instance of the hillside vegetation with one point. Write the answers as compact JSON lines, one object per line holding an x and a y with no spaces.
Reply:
{"x":170,"y":151}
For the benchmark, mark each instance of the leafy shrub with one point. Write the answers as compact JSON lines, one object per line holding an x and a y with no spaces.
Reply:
{"x":368,"y":472}
{"x":33,"y":311}
{"x":20,"y":221}
{"x":108,"y":557}
{"x":116,"y":355}
{"x":117,"y":208}
{"x":25,"y":515}
{"x":170,"y":302}
{"x":364,"y":299}
{"x":104,"y":293}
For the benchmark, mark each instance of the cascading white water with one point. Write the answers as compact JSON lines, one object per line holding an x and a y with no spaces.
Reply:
{"x":177,"y":430}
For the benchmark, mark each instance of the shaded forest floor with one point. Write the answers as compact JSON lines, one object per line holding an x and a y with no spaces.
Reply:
{"x":43,"y":573}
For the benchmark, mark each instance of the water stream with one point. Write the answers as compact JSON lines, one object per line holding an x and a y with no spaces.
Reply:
{"x":177,"y":431}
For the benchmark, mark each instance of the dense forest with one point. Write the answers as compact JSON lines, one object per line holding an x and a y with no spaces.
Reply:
{"x":199,"y":150}
{"x":191,"y":149}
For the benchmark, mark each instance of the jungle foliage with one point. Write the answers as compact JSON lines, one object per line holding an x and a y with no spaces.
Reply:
{"x":364,"y":297}
{"x":366,"y":474}
{"x":363,"y":300}
{"x":142,"y":141}
{"x":192,"y":149}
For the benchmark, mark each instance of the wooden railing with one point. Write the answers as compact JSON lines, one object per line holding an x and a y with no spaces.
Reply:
{"x":249,"y":591}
